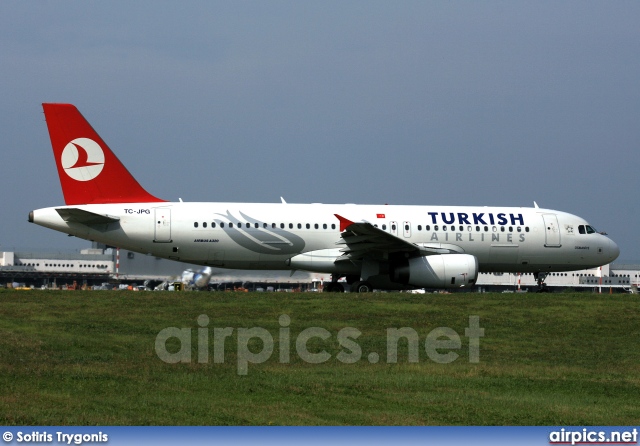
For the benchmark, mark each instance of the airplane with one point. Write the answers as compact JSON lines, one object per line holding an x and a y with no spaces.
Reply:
{"x":387,"y":247}
{"x":197,"y":280}
{"x":190,"y":280}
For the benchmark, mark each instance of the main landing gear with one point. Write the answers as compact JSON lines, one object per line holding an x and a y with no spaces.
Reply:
{"x":355,"y":285}
{"x":542,"y":287}
{"x":358,"y":286}
{"x":361,"y":286}
{"x":333,"y":287}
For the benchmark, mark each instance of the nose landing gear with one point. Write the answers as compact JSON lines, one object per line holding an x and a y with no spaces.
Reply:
{"x":540,"y":277}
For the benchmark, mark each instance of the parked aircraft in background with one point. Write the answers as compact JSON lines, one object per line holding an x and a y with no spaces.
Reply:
{"x":372,"y":246}
{"x":190,"y":279}
{"x":198,"y":280}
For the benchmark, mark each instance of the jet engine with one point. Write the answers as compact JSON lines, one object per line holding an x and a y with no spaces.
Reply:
{"x":436,"y":271}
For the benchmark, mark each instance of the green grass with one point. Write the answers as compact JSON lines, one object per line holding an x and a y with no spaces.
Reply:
{"x":88,"y":358}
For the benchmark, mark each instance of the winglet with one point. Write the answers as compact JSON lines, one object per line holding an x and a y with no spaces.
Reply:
{"x":344,"y":223}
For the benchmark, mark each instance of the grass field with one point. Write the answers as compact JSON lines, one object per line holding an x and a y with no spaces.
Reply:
{"x":89,"y":358}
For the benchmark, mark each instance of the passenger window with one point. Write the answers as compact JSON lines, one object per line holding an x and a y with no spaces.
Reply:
{"x":324,"y":226}
{"x":308,"y":226}
{"x":256,"y":225}
{"x":419,"y":227}
{"x":290,"y":225}
{"x":281,"y":225}
{"x":315,"y":225}
{"x":195,"y":224}
{"x":333,"y":225}
{"x":435,"y":227}
{"x":230,"y":225}
{"x":299,"y":225}
{"x":384,"y":227}
{"x":204,"y":224}
{"x":222,"y":225}
{"x":427,"y":228}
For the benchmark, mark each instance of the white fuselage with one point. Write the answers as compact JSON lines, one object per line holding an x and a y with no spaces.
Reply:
{"x":266,"y":236}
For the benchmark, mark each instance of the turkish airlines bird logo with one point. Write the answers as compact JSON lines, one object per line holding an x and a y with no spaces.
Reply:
{"x":82,"y":159}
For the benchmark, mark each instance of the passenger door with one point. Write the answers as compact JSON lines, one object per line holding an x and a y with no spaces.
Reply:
{"x":551,"y":231}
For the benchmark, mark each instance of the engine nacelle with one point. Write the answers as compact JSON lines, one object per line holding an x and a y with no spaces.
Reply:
{"x":437,"y":271}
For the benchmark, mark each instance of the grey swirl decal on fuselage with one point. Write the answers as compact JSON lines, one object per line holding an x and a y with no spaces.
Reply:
{"x":263,"y":240}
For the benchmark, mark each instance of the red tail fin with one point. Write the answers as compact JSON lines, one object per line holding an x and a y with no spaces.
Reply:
{"x":89,"y":171}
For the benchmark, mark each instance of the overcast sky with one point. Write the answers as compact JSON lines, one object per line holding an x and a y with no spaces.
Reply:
{"x":442,"y":103}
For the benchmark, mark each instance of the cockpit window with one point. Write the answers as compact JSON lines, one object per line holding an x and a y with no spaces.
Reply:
{"x":586,"y":229}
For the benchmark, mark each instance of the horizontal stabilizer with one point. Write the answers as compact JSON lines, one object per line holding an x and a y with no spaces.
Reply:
{"x":85,"y":217}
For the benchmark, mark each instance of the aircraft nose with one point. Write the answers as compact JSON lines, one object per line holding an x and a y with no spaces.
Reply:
{"x":614,"y":251}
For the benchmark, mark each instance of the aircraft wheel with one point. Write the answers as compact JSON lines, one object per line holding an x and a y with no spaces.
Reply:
{"x":362,"y":287}
{"x":333,"y":287}
{"x":352,"y":279}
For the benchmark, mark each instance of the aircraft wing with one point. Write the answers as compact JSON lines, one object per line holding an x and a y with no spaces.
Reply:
{"x":85,"y":217}
{"x":362,"y":239}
